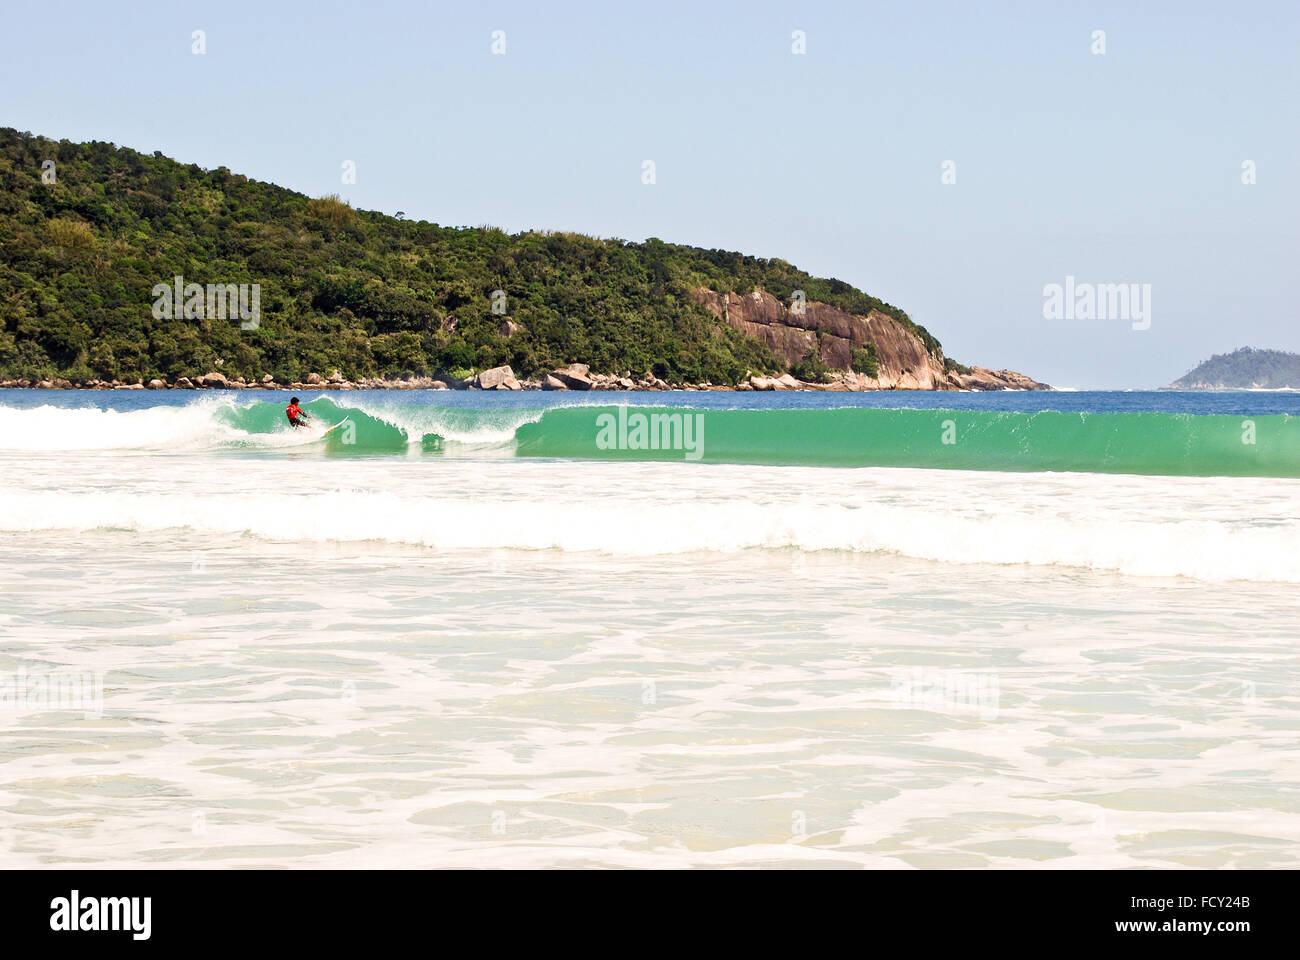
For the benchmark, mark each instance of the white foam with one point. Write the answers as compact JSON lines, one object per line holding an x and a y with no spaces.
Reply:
{"x":48,"y":428}
{"x":1006,"y":529}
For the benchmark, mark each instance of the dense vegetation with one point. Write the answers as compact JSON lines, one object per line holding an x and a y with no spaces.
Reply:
{"x":864,"y":360}
{"x":811,"y":369}
{"x":1245,"y":368}
{"x":368,"y":294}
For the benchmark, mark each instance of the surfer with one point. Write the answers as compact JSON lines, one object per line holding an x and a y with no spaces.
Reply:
{"x":295,"y":413}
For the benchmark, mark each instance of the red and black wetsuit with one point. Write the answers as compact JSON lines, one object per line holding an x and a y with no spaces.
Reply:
{"x":296,"y":417}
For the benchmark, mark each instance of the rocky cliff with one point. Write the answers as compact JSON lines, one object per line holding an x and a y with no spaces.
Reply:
{"x":903,"y":360}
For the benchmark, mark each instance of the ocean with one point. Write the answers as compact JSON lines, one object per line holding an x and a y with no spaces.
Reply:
{"x":684,"y":629}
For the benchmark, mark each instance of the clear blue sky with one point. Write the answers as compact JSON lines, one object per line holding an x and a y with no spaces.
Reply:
{"x":1122,"y":167}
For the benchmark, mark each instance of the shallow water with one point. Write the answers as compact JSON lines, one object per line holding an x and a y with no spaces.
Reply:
{"x":295,"y":660}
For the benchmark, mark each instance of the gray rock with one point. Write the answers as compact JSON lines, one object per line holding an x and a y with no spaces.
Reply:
{"x":496,"y":377}
{"x":575,"y":377}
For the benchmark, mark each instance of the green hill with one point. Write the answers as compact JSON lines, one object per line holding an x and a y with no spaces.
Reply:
{"x":1243,"y":369}
{"x":366,"y":293}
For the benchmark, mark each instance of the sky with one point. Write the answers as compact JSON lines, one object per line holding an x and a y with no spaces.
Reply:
{"x":1114,"y":165}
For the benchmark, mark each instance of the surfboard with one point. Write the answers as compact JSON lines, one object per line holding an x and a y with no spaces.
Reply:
{"x":330,"y":430}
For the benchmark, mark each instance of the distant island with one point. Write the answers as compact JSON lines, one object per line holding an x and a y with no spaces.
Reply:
{"x":122,"y":269}
{"x":1244,"y":369}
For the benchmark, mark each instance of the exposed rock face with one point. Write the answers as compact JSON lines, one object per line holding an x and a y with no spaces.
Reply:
{"x":981,"y":378}
{"x":834,"y":334}
{"x":214,"y":379}
{"x":904,"y":363}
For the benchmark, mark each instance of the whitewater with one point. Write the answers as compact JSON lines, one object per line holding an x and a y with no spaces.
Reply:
{"x":471,"y":635}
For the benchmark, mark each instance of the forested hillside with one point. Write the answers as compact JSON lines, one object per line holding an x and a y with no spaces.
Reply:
{"x":1244,"y":369}
{"x":368,"y":294}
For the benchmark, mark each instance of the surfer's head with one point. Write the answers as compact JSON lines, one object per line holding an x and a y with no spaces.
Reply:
{"x":293,"y":399}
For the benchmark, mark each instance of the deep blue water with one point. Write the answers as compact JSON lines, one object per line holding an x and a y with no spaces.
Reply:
{"x":1231,"y":403}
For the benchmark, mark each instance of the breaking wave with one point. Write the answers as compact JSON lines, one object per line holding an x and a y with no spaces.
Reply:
{"x":1175,"y":444}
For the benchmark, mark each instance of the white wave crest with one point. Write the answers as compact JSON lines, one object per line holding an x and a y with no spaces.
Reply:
{"x":1207,"y":549}
{"x":200,"y":425}
{"x":48,"y":428}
